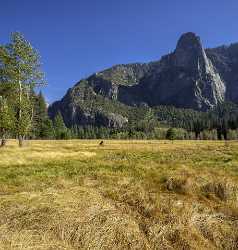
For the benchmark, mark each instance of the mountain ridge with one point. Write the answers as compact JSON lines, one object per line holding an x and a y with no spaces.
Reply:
{"x":189,"y":77}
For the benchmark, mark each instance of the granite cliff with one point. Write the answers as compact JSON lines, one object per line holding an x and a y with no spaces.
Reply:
{"x":190,"y":77}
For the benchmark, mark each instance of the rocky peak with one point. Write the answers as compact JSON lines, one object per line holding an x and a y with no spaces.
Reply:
{"x":189,"y":51}
{"x":190,"y":55}
{"x":189,"y":41}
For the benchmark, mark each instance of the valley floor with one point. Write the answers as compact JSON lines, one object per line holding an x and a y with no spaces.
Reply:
{"x":123,"y":195}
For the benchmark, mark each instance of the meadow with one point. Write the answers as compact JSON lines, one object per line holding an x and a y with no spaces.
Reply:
{"x":124,"y":195}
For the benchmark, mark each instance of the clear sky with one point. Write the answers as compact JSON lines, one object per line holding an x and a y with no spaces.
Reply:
{"x":79,"y":37}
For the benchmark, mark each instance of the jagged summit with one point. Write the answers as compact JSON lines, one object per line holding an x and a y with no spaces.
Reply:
{"x":189,"y":50}
{"x":190,"y":77}
{"x":189,"y":40}
{"x":209,"y":88}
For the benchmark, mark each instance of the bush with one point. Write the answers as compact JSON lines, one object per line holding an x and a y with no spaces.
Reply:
{"x":232,"y":134}
{"x":160,"y":133}
{"x":209,"y":135}
{"x":171,"y":134}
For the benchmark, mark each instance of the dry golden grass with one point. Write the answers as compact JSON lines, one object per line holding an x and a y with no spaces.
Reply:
{"x":123,"y":195}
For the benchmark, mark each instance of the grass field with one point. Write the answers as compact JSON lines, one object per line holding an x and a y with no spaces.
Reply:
{"x":123,"y":195}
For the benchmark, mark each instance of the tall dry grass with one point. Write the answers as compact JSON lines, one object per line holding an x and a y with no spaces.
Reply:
{"x":124,"y":195}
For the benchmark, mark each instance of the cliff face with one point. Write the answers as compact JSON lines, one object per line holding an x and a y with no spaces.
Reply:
{"x":185,"y":78}
{"x":208,"y":89}
{"x":225,"y":59}
{"x":108,"y":82}
{"x":190,"y":77}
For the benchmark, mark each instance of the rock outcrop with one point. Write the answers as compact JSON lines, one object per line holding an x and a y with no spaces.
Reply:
{"x":190,"y":77}
{"x":185,"y":78}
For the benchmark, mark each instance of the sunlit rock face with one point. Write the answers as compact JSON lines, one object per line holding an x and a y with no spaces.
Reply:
{"x":185,"y":78}
{"x":209,"y":88}
{"x":225,"y":59}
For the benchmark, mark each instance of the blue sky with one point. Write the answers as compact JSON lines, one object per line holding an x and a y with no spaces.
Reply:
{"x":79,"y":37}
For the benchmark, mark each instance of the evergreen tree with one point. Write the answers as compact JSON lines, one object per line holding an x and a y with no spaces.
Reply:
{"x":171,"y":134}
{"x":47,"y":129}
{"x":41,"y":123}
{"x":60,"y":129}
{"x":198,"y":127}
{"x":6,"y":120}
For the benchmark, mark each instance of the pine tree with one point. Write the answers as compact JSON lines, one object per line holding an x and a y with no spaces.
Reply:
{"x":171,"y":134}
{"x":61,"y":131}
{"x":6,"y":120}
{"x":41,"y":119}
{"x":47,"y":129}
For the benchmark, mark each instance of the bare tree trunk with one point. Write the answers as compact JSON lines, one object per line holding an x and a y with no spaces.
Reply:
{"x":20,"y":137}
{"x":20,"y":96}
{"x":21,"y":140}
{"x":3,"y":142}
{"x":3,"y":139}
{"x":22,"y":131}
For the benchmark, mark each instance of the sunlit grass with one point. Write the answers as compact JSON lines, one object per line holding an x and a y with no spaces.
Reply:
{"x":123,"y":195}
